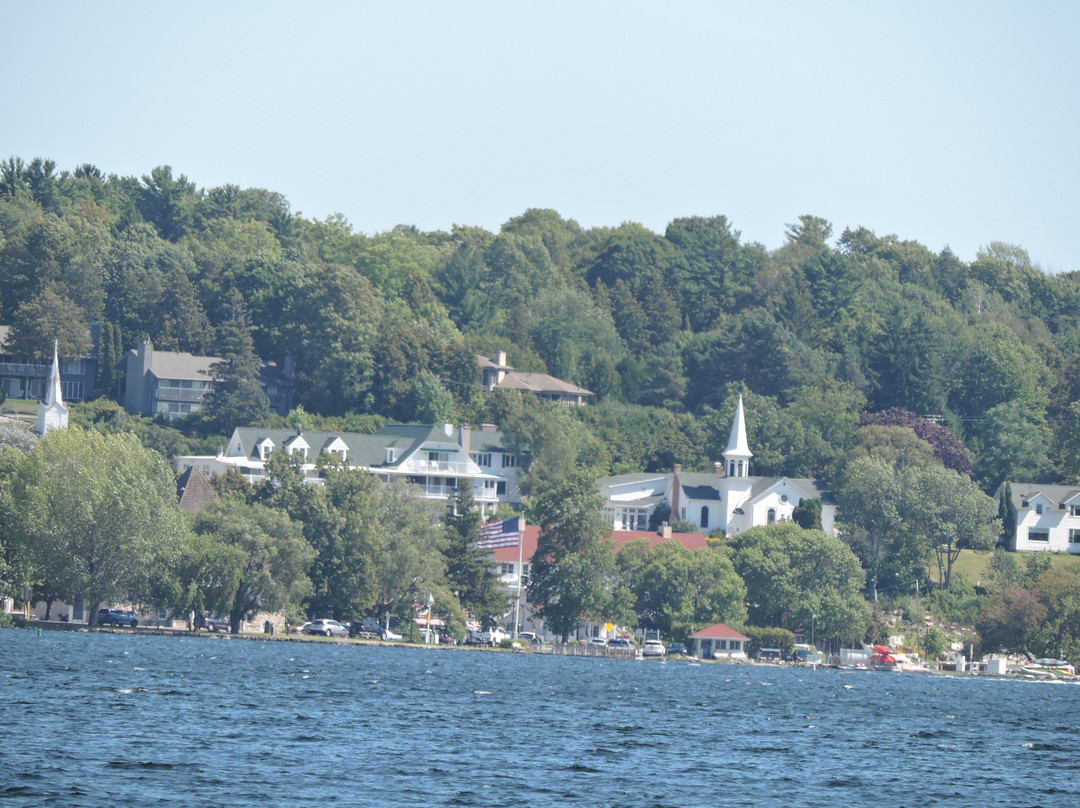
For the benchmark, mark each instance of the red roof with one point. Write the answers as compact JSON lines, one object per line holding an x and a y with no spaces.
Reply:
{"x":691,"y":541}
{"x":718,"y":632}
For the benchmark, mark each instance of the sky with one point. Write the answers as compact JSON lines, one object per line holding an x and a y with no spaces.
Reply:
{"x":953,"y":124}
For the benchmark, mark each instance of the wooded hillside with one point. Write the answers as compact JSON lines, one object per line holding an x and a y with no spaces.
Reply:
{"x":666,"y":329}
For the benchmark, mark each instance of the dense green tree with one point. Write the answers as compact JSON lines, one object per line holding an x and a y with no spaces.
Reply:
{"x":96,"y":515}
{"x":236,"y":397}
{"x":273,"y":557}
{"x":48,"y":319}
{"x":676,"y":589}
{"x":792,"y":573}
{"x":469,"y":570}
{"x":572,"y":571}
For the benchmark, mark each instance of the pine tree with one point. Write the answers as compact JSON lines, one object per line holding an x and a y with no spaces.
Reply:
{"x":237,"y":397}
{"x":468,"y":568}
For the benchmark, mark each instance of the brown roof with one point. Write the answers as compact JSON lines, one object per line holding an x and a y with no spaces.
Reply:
{"x":540,"y":383}
{"x":718,"y":632}
{"x":194,"y":492}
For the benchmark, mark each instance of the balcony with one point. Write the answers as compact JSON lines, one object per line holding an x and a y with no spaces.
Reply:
{"x":480,"y":494}
{"x":438,"y":467}
{"x":181,"y":395}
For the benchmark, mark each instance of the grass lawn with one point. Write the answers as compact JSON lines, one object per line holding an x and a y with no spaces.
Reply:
{"x":20,"y":406}
{"x":973,"y":564}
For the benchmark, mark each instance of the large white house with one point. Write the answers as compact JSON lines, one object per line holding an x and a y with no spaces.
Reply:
{"x":1047,"y":517}
{"x":729,"y":499}
{"x":435,"y":459}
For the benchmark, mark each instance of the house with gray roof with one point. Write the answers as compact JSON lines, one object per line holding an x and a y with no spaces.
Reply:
{"x":1047,"y":517}
{"x":434,"y":459}
{"x":729,"y":499}
{"x":172,"y":384}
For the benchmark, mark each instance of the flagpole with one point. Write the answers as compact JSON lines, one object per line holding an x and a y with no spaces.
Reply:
{"x":520,"y":570}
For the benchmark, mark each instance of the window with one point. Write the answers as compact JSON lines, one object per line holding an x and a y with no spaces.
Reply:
{"x":770,"y":518}
{"x":509,"y":461}
{"x":482,"y":459}
{"x":1074,"y":536}
{"x":507,"y":569}
{"x":71,"y":391}
{"x":1039,"y":535}
{"x":704,"y":517}
{"x":1038,"y":507}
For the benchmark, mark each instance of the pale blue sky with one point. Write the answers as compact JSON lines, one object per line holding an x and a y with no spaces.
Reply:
{"x":950,"y":123}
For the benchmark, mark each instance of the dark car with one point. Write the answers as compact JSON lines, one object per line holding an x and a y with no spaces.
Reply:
{"x":117,"y":617}
{"x":770,"y":654}
{"x":676,"y":649}
{"x":366,"y":629}
{"x":211,"y":623}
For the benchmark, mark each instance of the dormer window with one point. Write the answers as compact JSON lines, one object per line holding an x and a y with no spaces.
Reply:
{"x":1038,"y":507}
{"x":392,"y":455}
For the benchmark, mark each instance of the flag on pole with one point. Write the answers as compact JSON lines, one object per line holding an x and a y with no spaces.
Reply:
{"x":506,"y":533}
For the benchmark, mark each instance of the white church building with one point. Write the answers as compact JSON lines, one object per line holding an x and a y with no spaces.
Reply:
{"x":729,"y":500}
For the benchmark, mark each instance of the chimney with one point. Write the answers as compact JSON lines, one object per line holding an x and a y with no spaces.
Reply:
{"x":500,"y":358}
{"x":718,"y":467}
{"x":678,"y":467}
{"x":464,"y":433}
{"x":665,"y":531}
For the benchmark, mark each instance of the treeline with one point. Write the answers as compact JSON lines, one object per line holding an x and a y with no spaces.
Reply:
{"x":659,"y":326}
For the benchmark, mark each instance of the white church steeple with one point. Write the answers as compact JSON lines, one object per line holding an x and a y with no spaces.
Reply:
{"x":51,"y":413}
{"x":737,"y":454}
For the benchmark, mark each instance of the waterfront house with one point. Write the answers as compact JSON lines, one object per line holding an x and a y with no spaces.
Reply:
{"x":719,"y":642}
{"x":496,"y":374}
{"x":435,"y":459}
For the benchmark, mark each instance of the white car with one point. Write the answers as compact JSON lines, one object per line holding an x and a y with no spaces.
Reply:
{"x":326,"y":628}
{"x":653,"y":648}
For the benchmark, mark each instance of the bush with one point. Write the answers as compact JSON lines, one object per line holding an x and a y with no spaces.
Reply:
{"x":768,"y":637}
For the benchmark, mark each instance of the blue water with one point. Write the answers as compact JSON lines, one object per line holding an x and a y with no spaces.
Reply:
{"x":126,"y":720}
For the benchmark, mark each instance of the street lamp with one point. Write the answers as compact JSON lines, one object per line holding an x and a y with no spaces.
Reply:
{"x":813,"y":619}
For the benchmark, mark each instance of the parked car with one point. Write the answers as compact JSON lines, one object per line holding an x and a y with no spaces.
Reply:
{"x":488,"y":636}
{"x":620,"y":643}
{"x":677,"y":649}
{"x":117,"y":617}
{"x":531,"y":637}
{"x":597,"y":641}
{"x":367,"y":628}
{"x":770,"y":654}
{"x":211,"y":623}
{"x":653,"y":648}
{"x":326,"y":628}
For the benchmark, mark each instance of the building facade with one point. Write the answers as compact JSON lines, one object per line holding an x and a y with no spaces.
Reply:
{"x":28,"y":378}
{"x":1047,"y":517}
{"x":729,"y":500}
{"x":434,"y":459}
{"x":173,"y":384}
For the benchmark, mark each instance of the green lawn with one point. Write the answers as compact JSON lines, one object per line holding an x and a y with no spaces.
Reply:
{"x":20,"y":406}
{"x":973,"y":564}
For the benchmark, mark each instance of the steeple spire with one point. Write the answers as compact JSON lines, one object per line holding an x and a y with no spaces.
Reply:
{"x":52,"y":414}
{"x":737,"y":454}
{"x":53,"y":396}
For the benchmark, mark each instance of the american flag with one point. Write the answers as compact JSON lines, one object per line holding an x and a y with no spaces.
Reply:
{"x":506,"y":533}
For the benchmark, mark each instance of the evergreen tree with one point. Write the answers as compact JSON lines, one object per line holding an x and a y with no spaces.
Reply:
{"x":573,"y":569}
{"x":237,"y":397}
{"x":468,"y":568}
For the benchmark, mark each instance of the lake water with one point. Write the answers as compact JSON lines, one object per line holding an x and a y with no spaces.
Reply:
{"x":100,"y":719}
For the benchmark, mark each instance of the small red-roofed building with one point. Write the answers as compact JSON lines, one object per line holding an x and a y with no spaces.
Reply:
{"x":719,"y":642}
